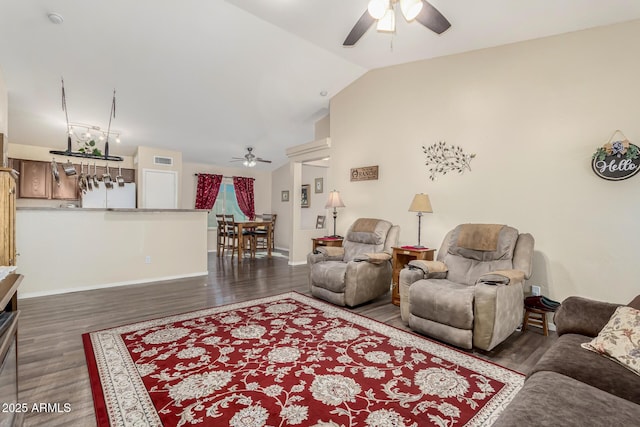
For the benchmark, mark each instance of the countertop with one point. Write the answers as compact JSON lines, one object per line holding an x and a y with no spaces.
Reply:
{"x":41,"y":208}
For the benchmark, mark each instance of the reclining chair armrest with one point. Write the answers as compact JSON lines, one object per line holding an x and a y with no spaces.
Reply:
{"x":498,"y":311}
{"x":430,"y":269}
{"x":502,"y":277}
{"x":366,"y":281}
{"x":374,"y":257}
{"x":325,"y":253}
{"x":577,"y":315}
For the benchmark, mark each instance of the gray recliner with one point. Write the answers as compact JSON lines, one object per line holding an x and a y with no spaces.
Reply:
{"x":360,"y":270}
{"x":472,"y":295}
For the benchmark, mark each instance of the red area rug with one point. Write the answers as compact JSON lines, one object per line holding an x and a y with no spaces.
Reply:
{"x":287,"y":360}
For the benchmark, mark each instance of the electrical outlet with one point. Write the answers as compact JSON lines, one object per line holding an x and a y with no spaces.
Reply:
{"x":147,"y":259}
{"x":535,"y":290}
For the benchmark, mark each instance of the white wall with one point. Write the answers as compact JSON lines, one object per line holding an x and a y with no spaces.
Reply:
{"x":65,"y":250}
{"x":534,"y":113}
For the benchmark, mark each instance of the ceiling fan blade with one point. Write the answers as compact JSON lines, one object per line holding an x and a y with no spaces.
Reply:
{"x":359,"y":29}
{"x":431,"y":18}
{"x":263,"y":160}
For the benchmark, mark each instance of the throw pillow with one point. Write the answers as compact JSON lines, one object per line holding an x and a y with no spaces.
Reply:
{"x":619,"y":340}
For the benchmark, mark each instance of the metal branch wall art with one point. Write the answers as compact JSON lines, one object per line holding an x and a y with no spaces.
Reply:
{"x":442,"y":158}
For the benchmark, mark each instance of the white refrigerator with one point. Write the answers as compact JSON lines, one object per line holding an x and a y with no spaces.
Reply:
{"x":116,"y":197}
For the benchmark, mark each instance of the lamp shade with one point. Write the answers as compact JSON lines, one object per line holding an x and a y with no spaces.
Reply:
{"x":421,"y":203}
{"x":335,"y":201}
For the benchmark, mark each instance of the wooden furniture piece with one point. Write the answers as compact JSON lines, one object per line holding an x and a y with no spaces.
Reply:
{"x":9,"y":293}
{"x":36,"y":180}
{"x":261,"y":232}
{"x":220,"y":235}
{"x":401,"y":257}
{"x":7,"y":217}
{"x":243,"y":226}
{"x":326,"y":241}
{"x":535,"y":317}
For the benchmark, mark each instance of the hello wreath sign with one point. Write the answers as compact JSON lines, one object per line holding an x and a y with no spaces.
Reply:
{"x":616,"y":160}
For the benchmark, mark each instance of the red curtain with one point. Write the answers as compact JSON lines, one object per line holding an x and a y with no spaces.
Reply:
{"x":207,"y":191}
{"x":244,"y":195}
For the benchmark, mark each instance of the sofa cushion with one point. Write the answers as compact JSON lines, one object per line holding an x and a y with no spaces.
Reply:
{"x":567,"y":357}
{"x":552,"y":399}
{"x":619,"y":340}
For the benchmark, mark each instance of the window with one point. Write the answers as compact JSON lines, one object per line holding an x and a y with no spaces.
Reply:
{"x":226,"y":203}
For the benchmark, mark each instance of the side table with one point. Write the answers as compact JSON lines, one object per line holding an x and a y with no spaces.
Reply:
{"x":401,"y":257}
{"x":326,"y":241}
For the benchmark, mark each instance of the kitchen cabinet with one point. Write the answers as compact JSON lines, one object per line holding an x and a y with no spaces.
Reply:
{"x":67,"y":187}
{"x":35,"y":179}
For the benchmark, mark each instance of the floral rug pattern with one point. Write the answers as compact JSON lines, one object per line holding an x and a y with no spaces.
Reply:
{"x":287,"y":360}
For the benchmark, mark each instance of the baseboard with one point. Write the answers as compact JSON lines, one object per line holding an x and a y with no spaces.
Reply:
{"x":297,"y":263}
{"x":107,"y":285}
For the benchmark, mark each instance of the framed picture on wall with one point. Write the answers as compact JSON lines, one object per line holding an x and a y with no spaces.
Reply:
{"x":318,"y":185}
{"x":305,"y":199}
{"x":284,"y":196}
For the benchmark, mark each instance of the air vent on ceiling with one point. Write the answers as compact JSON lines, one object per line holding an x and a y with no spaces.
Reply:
{"x":165,"y":161}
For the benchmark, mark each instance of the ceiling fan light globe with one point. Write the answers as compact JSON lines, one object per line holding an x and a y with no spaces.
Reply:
{"x":410,"y":8}
{"x":388,"y":22}
{"x":252,"y":163}
{"x":378,"y":8}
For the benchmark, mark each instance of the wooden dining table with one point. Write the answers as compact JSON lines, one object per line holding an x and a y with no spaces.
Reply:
{"x":245,"y":225}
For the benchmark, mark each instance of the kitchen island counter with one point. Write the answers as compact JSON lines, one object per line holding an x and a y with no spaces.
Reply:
{"x":95,"y":247}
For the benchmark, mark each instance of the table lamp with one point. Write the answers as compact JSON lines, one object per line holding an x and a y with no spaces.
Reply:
{"x":420,"y":204}
{"x":334,"y":202}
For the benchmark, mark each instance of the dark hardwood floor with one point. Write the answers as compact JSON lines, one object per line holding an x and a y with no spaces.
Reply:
{"x":52,"y":367}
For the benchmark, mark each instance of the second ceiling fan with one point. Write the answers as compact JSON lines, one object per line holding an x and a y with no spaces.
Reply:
{"x":383,"y":12}
{"x":249,"y":160}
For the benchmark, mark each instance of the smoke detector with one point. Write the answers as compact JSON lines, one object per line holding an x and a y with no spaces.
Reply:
{"x":56,"y":18}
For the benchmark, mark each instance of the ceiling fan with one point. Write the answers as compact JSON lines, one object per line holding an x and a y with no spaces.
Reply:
{"x":249,"y":160}
{"x":383,"y":12}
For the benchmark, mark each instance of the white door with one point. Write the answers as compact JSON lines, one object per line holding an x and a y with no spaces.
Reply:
{"x":159,"y":189}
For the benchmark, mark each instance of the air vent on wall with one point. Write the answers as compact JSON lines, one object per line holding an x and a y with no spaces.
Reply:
{"x":165,"y":161}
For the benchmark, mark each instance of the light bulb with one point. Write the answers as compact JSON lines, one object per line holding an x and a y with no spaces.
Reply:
{"x":410,"y":8}
{"x":118,"y":140}
{"x":377,"y":8}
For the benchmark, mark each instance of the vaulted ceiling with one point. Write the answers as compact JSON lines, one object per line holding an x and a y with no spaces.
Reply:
{"x":211,"y":77}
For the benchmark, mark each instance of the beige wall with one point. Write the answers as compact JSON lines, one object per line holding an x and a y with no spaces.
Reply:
{"x":4,"y":106}
{"x":317,"y":200}
{"x":35,"y":152}
{"x":534,"y":113}
{"x":69,"y":250}
{"x":280,"y":181}
{"x":144,"y":159}
{"x":189,"y":182}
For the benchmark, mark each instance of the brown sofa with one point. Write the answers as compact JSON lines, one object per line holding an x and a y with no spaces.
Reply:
{"x":571,"y":386}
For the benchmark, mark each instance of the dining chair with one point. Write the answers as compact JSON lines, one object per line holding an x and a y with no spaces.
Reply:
{"x":261,"y":232}
{"x":232,"y":236}
{"x":220,"y":235}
